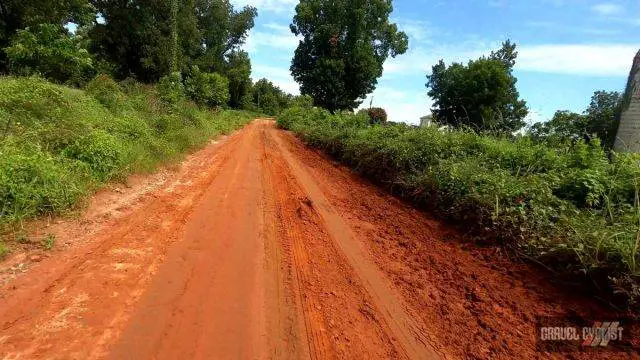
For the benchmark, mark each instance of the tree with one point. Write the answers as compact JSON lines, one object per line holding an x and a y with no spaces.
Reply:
{"x":481,"y":95}
{"x":343,"y":48}
{"x":210,"y":89}
{"x":135,"y":36}
{"x":507,"y":54}
{"x":49,"y":50}
{"x":238,"y":72}
{"x":564,"y":128}
{"x":603,"y":116}
{"x":269,"y":98}
{"x":223,"y":30}
{"x":600,"y":120}
{"x":18,"y":14}
{"x":139,"y":36}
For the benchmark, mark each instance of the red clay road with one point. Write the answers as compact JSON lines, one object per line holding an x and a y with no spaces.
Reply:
{"x":258,"y":248}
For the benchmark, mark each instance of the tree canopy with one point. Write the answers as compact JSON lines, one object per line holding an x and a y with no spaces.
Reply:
{"x":599,"y":121}
{"x":48,"y":50}
{"x":19,"y":14}
{"x":147,"y":40}
{"x":269,"y":98}
{"x":343,"y":48}
{"x":136,"y":35}
{"x":481,"y":95}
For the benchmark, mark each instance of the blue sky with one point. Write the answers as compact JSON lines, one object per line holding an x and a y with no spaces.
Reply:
{"x":568,"y":48}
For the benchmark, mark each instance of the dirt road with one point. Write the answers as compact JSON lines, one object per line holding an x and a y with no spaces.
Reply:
{"x":256,"y":248}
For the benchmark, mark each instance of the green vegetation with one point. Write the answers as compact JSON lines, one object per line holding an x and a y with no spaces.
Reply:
{"x":375,"y":115}
{"x":207,"y":89}
{"x":570,"y":208}
{"x":46,"y":49}
{"x":17,"y":15}
{"x":57,"y":144}
{"x":599,"y":121}
{"x":481,"y":95}
{"x":268,"y":98}
{"x":4,"y":250}
{"x":48,"y":242}
{"x":139,"y":38}
{"x":195,"y":44}
{"x":344,"y":45}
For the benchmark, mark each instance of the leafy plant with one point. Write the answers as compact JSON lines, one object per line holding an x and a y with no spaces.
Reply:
{"x":48,"y":242}
{"x":207,"y":89}
{"x":106,"y":91}
{"x":48,"y":49}
{"x":171,"y":89}
{"x":481,"y":95}
{"x":571,"y":208}
{"x":4,"y":250}
{"x":377,"y":115}
{"x":269,"y":98}
{"x":343,"y":48}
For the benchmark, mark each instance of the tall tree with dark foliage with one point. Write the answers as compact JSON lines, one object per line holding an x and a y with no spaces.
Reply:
{"x":343,"y":48}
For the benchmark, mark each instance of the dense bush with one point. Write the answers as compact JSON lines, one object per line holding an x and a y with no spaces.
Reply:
{"x":375,"y":115}
{"x":207,"y":89}
{"x":171,"y":89}
{"x":269,"y":98}
{"x":57,"y":144}
{"x":480,"y":95}
{"x":571,"y":208}
{"x":48,"y":50}
{"x":107,"y":91}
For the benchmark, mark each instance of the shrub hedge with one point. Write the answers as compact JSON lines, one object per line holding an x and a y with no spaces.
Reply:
{"x":57,"y":144}
{"x":573,"y":209}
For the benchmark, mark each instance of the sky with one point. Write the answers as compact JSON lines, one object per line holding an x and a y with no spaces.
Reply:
{"x":568,"y":49}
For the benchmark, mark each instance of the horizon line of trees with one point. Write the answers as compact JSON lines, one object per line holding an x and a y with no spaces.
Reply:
{"x":345,"y":44}
{"x":338,"y":61}
{"x":194,"y":42}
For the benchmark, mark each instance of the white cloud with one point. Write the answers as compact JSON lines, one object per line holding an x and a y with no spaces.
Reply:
{"x":607,"y":9}
{"x":589,"y":60}
{"x":575,"y":59}
{"x":268,"y":5}
{"x":279,"y":38}
{"x":401,"y":106}
{"x":280,"y":76}
{"x":418,"y":31}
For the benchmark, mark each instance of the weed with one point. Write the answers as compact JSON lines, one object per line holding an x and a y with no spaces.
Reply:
{"x":572,"y":209}
{"x":4,"y":250}
{"x":22,"y":238}
{"x":58,"y":144}
{"x":48,"y":242}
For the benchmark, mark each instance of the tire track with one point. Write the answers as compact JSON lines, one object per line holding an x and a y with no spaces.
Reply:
{"x":340,"y":320}
{"x":318,"y":344}
{"x":405,"y":330}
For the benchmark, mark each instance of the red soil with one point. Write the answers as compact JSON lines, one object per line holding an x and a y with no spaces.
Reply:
{"x":257,"y":247}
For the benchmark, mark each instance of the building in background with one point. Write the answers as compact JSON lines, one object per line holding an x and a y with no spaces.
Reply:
{"x":426,"y":121}
{"x":628,"y":138}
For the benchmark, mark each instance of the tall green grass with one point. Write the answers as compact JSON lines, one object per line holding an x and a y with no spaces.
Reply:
{"x":57,"y":144}
{"x":575,"y":209}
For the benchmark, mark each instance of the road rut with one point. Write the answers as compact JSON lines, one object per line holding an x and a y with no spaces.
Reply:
{"x":258,"y":248}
